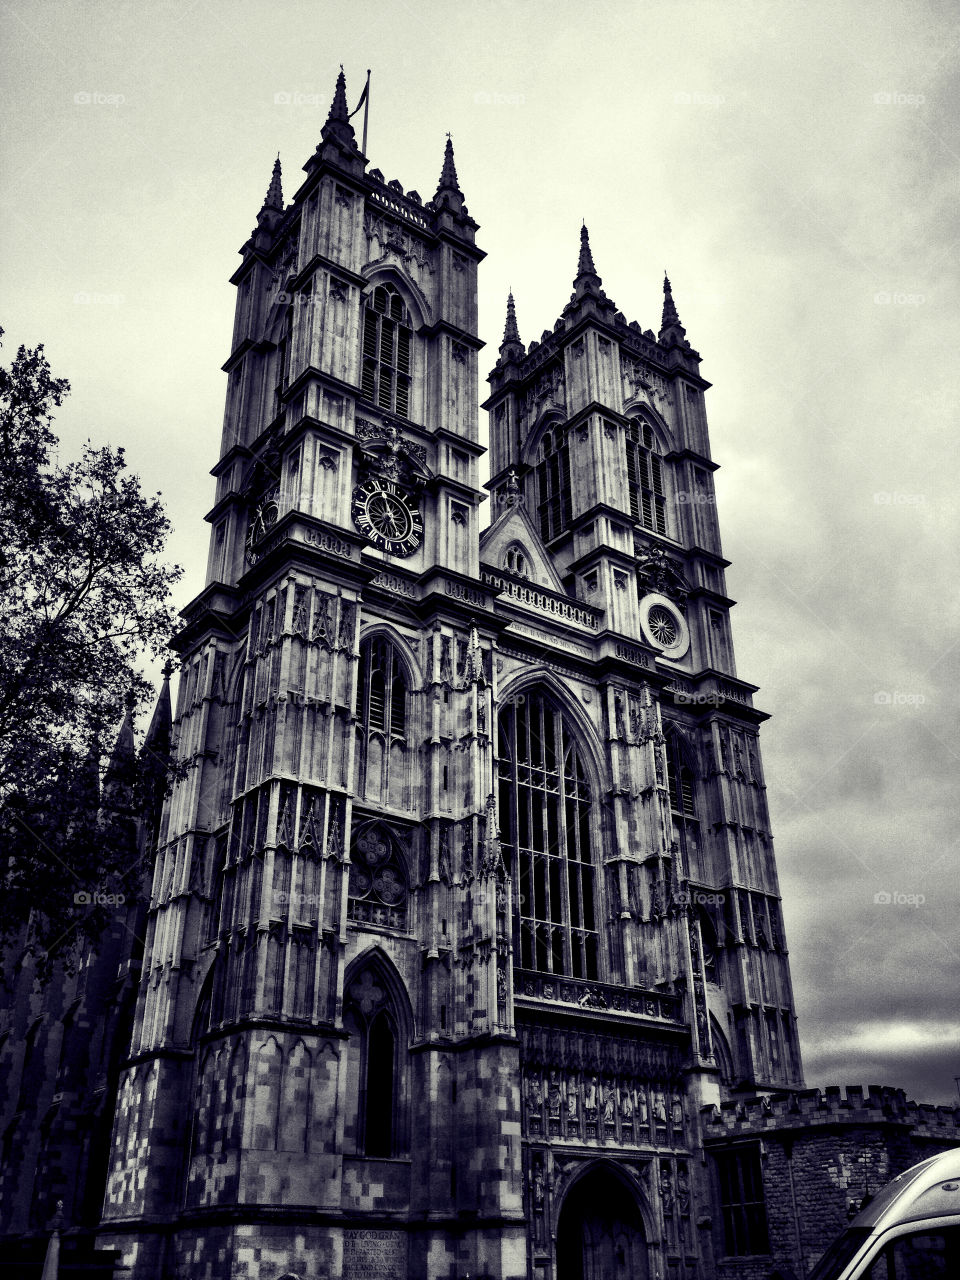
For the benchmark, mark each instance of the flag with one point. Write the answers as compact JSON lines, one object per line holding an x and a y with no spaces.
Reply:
{"x":363,"y":98}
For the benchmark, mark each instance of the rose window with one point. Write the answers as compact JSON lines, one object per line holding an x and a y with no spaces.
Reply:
{"x":663,"y":627}
{"x":378,"y":887}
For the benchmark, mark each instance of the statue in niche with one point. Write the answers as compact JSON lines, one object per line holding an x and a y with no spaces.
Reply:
{"x":590,"y":1098}
{"x":554,"y":1100}
{"x":676,"y":1111}
{"x":666,"y":1190}
{"x":643,"y":1113}
{"x":534,"y":1092}
{"x":538,"y":1187}
{"x":683,"y":1188}
{"x":626,"y":1104}
{"x":573,"y":1102}
{"x":609,"y":1103}
{"x":659,"y":1107}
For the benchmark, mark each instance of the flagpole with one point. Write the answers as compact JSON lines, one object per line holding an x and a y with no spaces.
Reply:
{"x":366,"y":109}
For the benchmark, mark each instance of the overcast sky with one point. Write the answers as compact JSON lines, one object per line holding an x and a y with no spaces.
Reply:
{"x":793,"y":166}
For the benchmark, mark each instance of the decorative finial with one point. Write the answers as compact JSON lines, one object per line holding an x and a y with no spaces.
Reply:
{"x":670,"y":318}
{"x":585,"y":265}
{"x":338,"y":108}
{"x":274,"y":196}
{"x":448,"y":175}
{"x":510,"y":331}
{"x":513,"y":488}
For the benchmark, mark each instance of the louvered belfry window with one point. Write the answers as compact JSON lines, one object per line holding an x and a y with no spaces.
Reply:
{"x":645,"y":478}
{"x":546,"y":835}
{"x":681,"y":783}
{"x":553,"y":485}
{"x":385,"y":373}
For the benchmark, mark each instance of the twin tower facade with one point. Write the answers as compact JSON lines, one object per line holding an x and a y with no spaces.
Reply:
{"x":464,"y":902}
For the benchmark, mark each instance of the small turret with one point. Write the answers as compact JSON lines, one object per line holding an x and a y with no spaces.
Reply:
{"x":449,"y":196}
{"x":672,"y":332}
{"x":511,"y":348}
{"x":338,"y":127}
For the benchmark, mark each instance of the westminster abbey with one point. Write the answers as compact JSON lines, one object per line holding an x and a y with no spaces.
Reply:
{"x":464,"y":953}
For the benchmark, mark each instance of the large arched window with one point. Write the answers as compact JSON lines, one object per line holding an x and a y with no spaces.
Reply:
{"x":553,"y":485}
{"x":645,"y":477}
{"x":385,"y":374}
{"x":382,"y":714}
{"x":546,"y":835}
{"x":681,"y":782}
{"x":372,"y":1018}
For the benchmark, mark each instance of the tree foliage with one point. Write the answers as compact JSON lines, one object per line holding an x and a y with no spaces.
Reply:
{"x":84,"y":597}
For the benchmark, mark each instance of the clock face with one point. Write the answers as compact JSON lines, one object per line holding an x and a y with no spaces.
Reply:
{"x":262,"y":517}
{"x":388,"y":517}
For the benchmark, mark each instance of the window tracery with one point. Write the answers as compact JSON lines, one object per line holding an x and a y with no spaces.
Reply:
{"x":645,"y":477}
{"x":547,"y":839}
{"x":386,"y":367}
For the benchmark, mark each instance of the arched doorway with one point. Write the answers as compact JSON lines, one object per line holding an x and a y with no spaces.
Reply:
{"x":600,"y":1232}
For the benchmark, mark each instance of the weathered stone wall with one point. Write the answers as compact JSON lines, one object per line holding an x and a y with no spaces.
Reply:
{"x":821,"y":1154}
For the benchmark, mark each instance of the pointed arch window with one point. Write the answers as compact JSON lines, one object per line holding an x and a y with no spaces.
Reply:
{"x":645,"y":477}
{"x":382,"y":717}
{"x":374,"y":1077}
{"x":553,"y":485}
{"x":547,"y":838}
{"x":385,"y":371}
{"x":516,"y":560}
{"x":682,"y":786}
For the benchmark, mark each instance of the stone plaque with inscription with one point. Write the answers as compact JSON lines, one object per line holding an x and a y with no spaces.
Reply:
{"x":371,"y":1254}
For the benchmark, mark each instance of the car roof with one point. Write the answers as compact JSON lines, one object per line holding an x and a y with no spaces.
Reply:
{"x":927,"y":1190}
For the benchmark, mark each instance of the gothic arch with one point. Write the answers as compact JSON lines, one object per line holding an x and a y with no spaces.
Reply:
{"x":549,"y":418}
{"x":624,"y":1175}
{"x":603,"y":1224}
{"x":372,"y":630}
{"x":375,"y":959}
{"x":411,"y":293}
{"x":568,"y":704}
{"x":378,"y":1019}
{"x":644,"y":411}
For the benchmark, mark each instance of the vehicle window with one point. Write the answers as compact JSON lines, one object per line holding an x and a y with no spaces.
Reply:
{"x":840,"y":1253}
{"x":924,"y":1255}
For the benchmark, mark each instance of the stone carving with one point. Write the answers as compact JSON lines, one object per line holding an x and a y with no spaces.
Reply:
{"x":657,"y":572}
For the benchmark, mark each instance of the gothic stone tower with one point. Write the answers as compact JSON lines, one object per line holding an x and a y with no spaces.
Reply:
{"x":464,"y":900}
{"x":650,"y":970}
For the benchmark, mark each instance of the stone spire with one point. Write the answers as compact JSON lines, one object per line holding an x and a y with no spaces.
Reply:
{"x":449,"y":196}
{"x":448,"y":174}
{"x":338,"y":126}
{"x":338,"y":108}
{"x":587,"y":283}
{"x":274,"y":196}
{"x":671,"y":330}
{"x":585,"y":265}
{"x":511,"y":348}
{"x":118,"y":780}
